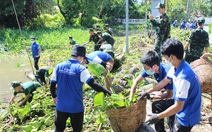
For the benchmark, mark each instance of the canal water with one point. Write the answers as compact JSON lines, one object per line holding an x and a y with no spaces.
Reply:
{"x":12,"y":68}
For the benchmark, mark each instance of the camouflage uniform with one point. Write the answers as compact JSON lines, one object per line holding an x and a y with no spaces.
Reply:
{"x":162,"y":31}
{"x":108,"y":38}
{"x":109,"y":31}
{"x":95,"y":39}
{"x":198,"y":40}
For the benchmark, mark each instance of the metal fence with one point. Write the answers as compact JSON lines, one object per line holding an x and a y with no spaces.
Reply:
{"x":131,"y":21}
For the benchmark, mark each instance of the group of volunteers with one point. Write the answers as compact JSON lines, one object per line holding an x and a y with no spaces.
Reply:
{"x":177,"y":95}
{"x":68,"y":77}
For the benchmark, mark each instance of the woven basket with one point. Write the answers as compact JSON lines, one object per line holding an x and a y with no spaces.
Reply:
{"x":127,"y":119}
{"x":203,"y":69}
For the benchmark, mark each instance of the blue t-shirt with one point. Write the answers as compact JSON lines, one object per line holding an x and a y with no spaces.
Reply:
{"x":186,"y":87}
{"x":70,"y":77}
{"x":35,"y":49}
{"x":98,"y":57}
{"x":163,"y":70}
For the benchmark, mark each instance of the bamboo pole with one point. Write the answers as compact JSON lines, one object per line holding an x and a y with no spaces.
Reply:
{"x":23,"y":42}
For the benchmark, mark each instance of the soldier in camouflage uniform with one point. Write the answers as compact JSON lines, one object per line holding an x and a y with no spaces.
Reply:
{"x":94,"y":37}
{"x":197,"y":42}
{"x":108,"y":29}
{"x":162,"y":28}
{"x":105,"y":37}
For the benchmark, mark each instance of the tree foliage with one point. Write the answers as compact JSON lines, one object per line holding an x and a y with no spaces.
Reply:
{"x":177,"y":9}
{"x":35,"y":13}
{"x":26,"y":10}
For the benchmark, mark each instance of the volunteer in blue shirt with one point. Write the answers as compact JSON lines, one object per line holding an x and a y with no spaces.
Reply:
{"x":36,"y":51}
{"x":186,"y":89}
{"x":105,"y":60}
{"x":152,"y":66}
{"x":69,"y":77}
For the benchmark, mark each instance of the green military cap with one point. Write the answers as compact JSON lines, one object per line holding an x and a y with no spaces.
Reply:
{"x":200,"y":20}
{"x":160,"y":5}
{"x":15,"y":84}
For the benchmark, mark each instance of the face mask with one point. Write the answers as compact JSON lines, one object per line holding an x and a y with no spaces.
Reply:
{"x":99,"y":36}
{"x":32,"y":41}
{"x":85,"y":65}
{"x":168,"y":63}
{"x":149,"y":72}
{"x":81,"y":61}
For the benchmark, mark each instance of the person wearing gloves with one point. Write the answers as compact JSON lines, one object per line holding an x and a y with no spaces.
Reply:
{"x":105,"y":60}
{"x":27,"y":88}
{"x":186,"y":89}
{"x":152,"y":67}
{"x":69,"y":77}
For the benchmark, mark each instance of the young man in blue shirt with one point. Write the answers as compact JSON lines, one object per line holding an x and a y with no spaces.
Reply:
{"x":36,"y":51}
{"x":69,"y":77}
{"x":105,"y":60}
{"x":186,"y":89}
{"x":152,"y":66}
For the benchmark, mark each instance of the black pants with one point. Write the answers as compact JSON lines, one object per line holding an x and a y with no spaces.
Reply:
{"x":97,"y":47}
{"x":160,"y":106}
{"x":180,"y":128}
{"x":41,"y":80}
{"x":76,"y":121}
{"x":36,"y":59}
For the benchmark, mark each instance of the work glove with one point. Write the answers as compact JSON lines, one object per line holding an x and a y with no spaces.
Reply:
{"x":142,"y":95}
{"x":153,"y":119}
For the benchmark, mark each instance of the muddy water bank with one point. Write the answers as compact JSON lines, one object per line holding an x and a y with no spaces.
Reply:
{"x":12,"y":68}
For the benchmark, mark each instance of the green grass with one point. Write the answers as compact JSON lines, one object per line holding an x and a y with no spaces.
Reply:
{"x":12,"y":39}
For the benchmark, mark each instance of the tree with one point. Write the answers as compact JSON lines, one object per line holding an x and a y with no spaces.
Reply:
{"x":26,"y":10}
{"x":7,"y":15}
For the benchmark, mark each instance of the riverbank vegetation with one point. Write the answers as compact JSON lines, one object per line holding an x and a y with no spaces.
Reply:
{"x":39,"y":115}
{"x":52,"y":22}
